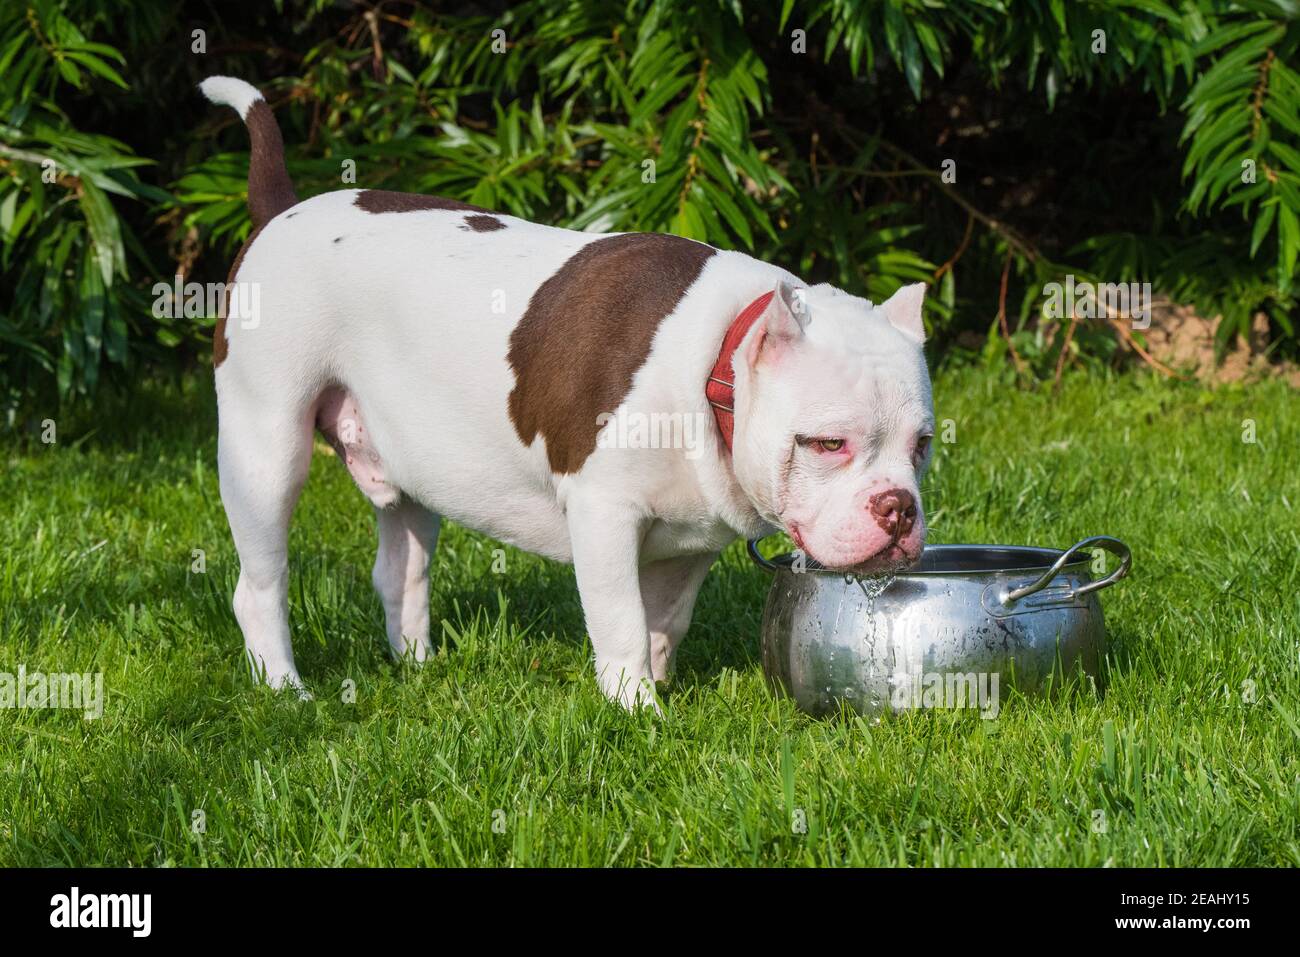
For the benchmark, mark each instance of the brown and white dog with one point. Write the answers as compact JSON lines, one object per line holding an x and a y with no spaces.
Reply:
{"x":517,"y":378}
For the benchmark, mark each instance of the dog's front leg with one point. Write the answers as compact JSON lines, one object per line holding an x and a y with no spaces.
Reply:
{"x":606,"y":538}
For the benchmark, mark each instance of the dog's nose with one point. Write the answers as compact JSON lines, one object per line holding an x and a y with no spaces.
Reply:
{"x":894,"y":511}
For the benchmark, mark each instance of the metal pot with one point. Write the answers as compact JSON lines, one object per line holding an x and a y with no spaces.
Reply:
{"x":962,"y":627}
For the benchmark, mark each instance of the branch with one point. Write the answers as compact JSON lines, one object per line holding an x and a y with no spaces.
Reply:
{"x":965,"y":241}
{"x":1002,"y":316}
{"x":1147,"y":357}
{"x":1065,"y":350}
{"x":1007,"y":232}
{"x":693,"y":161}
{"x":839,"y":123}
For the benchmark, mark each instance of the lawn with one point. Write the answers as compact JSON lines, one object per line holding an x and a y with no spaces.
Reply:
{"x":501,"y":750}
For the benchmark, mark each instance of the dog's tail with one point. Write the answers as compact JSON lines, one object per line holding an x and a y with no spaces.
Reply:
{"x":270,"y":191}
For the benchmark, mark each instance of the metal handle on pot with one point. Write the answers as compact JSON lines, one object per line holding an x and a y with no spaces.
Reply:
{"x":1112,"y":545}
{"x":766,"y":564}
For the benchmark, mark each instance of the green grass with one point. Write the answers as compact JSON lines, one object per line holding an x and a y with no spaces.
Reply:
{"x":507,"y":725}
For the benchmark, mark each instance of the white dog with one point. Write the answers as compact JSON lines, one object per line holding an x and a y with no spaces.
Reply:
{"x":471,"y":364}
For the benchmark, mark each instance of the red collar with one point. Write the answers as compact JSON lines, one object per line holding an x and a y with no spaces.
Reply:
{"x":720,"y":390}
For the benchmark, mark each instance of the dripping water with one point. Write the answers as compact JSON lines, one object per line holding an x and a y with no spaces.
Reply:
{"x":872,"y":588}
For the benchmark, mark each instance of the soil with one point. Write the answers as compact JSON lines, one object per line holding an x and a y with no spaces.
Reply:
{"x":1184,"y":340}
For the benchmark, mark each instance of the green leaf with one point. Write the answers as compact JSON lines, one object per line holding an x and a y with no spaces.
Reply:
{"x":1263,"y":222}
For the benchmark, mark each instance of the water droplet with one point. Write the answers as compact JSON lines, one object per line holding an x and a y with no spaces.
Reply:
{"x":873,"y":588}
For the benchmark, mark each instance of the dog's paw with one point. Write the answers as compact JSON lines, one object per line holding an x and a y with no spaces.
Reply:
{"x":632,"y":692}
{"x":289,"y":684}
{"x":413,"y":653}
{"x":663,"y":665}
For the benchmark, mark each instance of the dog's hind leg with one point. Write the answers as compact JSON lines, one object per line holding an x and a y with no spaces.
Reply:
{"x":668,"y":591}
{"x":263,"y":457}
{"x":408,"y":533}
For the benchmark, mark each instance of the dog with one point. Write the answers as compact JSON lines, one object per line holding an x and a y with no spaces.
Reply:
{"x":470,"y":364}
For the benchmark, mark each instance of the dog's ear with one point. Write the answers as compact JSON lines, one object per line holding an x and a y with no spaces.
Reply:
{"x":782,"y":322}
{"x":787,"y":314}
{"x":903,"y":310}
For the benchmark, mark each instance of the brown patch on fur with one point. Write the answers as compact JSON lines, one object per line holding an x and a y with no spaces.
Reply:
{"x":587,"y":330}
{"x":387,"y":201}
{"x":483,"y":224}
{"x":220,"y":348}
{"x":270,"y":191}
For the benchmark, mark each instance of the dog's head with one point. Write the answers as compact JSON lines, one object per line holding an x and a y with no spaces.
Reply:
{"x":833,"y":424}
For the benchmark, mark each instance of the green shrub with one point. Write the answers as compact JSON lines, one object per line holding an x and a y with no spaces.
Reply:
{"x":813,"y":134}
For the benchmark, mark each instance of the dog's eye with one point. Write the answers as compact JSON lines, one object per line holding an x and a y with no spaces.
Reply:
{"x":820,"y":445}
